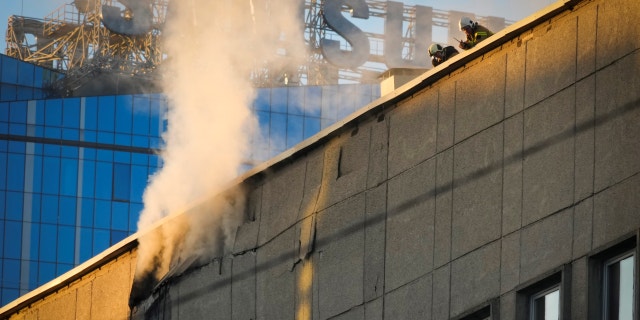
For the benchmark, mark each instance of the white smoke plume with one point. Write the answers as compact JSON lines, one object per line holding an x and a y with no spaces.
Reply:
{"x":212,"y":49}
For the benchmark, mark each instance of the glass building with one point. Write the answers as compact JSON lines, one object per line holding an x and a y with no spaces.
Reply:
{"x":73,"y":170}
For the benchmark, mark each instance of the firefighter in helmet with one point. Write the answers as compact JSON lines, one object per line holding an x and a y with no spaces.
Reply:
{"x":474,"y":32}
{"x":440,"y":54}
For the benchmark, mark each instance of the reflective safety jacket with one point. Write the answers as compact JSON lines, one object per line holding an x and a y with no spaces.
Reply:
{"x":479,"y":33}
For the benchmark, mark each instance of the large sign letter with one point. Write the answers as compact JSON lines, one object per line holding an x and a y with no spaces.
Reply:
{"x":393,"y":38}
{"x":356,"y":38}
{"x":137,"y":19}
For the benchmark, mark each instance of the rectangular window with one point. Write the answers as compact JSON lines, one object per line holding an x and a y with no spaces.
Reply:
{"x":121,"y":182}
{"x":613,"y":280}
{"x":618,"y":287}
{"x":486,"y":312}
{"x":546,"y":298}
{"x":545,"y":305}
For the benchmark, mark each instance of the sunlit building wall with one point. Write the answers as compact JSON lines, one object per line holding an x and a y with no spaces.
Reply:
{"x":73,"y":170}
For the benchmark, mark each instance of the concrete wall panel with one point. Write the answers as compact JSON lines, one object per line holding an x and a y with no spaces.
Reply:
{"x":412,"y":129}
{"x":444,"y":207}
{"x":475,"y":278}
{"x":540,"y":251}
{"x":550,"y":70}
{"x":345,"y":166}
{"x":442,"y":292}
{"x":373,"y":310}
{"x":587,"y":27}
{"x":579,"y":288}
{"x":477,"y":201}
{"x":582,"y":228}
{"x":515,"y":74}
{"x":374,"y":246}
{"x":410,"y":225}
{"x":480,"y":97}
{"x":205,"y":292}
{"x":281,"y":198}
{"x":548,"y":165}
{"x":446,"y":114}
{"x":274,"y":264}
{"x":243,"y":286}
{"x":410,"y":301}
{"x":379,"y":151}
{"x":584,"y":138}
{"x":512,"y":174}
{"x":340,"y":256}
{"x":617,"y":33}
{"x":617,"y":117}
{"x":616,"y":211}
{"x":510,"y":262}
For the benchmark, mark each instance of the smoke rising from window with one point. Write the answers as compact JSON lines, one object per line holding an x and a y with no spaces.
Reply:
{"x":213,"y":49}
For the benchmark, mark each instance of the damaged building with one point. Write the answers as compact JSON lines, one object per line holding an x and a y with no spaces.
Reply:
{"x":500,"y":185}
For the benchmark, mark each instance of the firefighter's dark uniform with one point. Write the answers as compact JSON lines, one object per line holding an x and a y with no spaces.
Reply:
{"x":479,"y":33}
{"x":447,"y":52}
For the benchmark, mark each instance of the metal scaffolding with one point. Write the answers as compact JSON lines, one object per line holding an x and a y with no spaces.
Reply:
{"x":73,"y":40}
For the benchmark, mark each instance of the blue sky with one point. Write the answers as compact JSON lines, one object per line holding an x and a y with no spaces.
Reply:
{"x":509,"y":9}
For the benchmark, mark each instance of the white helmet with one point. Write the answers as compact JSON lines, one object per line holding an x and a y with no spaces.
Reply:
{"x":467,"y":22}
{"x":433,"y":48}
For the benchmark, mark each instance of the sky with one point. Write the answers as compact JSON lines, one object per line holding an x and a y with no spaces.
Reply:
{"x":510,"y":9}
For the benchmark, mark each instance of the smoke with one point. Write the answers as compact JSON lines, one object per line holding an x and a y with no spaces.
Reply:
{"x":213,"y":48}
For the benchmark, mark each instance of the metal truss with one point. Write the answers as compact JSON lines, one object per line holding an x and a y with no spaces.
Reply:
{"x":72,"y":40}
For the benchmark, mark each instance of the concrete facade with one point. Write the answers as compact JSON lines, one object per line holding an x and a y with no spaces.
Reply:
{"x":504,"y":169}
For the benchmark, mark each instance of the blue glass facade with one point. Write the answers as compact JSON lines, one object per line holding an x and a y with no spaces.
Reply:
{"x":73,"y":170}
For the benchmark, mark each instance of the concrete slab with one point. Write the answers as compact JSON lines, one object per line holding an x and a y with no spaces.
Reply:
{"x":475,"y":278}
{"x":444,"y":208}
{"x":512,"y":174}
{"x":410,"y":227}
{"x":346,"y":166}
{"x":446,"y":115}
{"x":550,"y":72}
{"x":373,"y":309}
{"x":279,"y":209}
{"x":579,"y":289}
{"x":274,"y":274}
{"x":508,"y":305}
{"x":204,"y":292}
{"x":615,"y":211}
{"x":587,"y":29}
{"x":616,"y":34}
{"x":585,"y":136}
{"x":340,"y":256}
{"x":410,"y":300}
{"x":617,"y":118}
{"x":582,"y":228}
{"x":311,"y":199}
{"x":375,"y":230}
{"x":514,"y":79}
{"x":412,"y":132}
{"x":477,"y":190}
{"x":243,"y":286}
{"x":378,"y":151}
{"x":540,"y":251}
{"x":480,"y":97}
{"x":510,"y":262}
{"x":442,"y":287}
{"x":548,"y":165}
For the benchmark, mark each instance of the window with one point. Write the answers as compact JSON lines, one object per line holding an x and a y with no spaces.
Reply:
{"x":486,"y":312}
{"x":545,"y":305}
{"x":546,"y":298}
{"x":613,"y":280}
{"x":618,"y":287}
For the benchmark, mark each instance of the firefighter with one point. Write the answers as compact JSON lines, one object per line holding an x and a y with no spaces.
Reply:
{"x":440,"y":54}
{"x":474,"y":32}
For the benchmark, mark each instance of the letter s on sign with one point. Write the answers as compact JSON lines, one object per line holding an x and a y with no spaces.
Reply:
{"x":358,"y":39}
{"x":138,"y":23}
